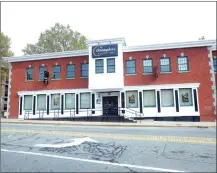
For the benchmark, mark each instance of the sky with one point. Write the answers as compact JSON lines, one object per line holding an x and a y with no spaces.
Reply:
{"x":140,"y":23}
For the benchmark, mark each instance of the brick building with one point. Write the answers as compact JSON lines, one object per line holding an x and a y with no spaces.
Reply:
{"x":173,"y":81}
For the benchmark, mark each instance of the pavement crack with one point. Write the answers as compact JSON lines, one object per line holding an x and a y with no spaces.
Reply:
{"x":22,"y":138}
{"x":130,"y":169}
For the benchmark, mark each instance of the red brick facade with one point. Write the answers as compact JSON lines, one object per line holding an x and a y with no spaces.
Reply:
{"x":198,"y":65}
{"x":19,"y":73}
{"x":198,"y":62}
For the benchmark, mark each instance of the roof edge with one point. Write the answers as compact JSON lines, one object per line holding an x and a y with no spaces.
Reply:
{"x":175,"y":45}
{"x":47,"y":56}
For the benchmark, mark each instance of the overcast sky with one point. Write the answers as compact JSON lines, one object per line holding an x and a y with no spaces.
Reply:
{"x":139,"y":23}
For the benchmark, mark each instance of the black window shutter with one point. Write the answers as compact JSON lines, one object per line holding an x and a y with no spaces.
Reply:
{"x":34,"y":99}
{"x":177,"y":101}
{"x":140,"y":102}
{"x":48,"y":105}
{"x":62,"y":104}
{"x":21,"y":104}
{"x":76,"y":103}
{"x":158,"y":101}
{"x":93,"y":103}
{"x":195,"y":101}
{"x":123,"y":101}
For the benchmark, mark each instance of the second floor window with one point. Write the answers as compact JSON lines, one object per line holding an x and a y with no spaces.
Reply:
{"x":29,"y":74}
{"x":84,"y":70}
{"x":41,"y":72}
{"x":183,"y":64}
{"x":165,"y":65}
{"x":147,"y":66}
{"x":111,"y":65}
{"x":56,"y":72}
{"x":99,"y":66}
{"x":131,"y":67}
{"x":70,"y":71}
{"x":215,"y":64}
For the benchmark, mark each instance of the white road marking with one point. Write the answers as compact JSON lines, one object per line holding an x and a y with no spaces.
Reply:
{"x":76,"y":141}
{"x":93,"y":161}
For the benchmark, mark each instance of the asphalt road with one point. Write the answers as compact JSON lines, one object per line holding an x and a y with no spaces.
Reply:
{"x":47,"y":148}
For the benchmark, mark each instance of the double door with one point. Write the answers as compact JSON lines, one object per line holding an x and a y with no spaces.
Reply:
{"x":110,"y":105}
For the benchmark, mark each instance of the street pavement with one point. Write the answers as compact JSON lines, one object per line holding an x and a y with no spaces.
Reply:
{"x":53,"y":148}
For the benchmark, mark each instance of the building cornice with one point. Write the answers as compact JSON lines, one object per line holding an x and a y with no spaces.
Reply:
{"x":201,"y":43}
{"x":35,"y":57}
{"x":106,"y":41}
{"x":213,"y":47}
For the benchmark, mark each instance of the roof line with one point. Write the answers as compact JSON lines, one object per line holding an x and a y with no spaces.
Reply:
{"x":200,"y":43}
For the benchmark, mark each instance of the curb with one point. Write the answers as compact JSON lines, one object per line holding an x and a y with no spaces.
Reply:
{"x":113,"y":125}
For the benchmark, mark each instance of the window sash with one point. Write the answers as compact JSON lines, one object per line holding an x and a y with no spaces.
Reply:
{"x":55,"y":101}
{"x":167,"y":98}
{"x":130,"y":67}
{"x":69,"y":101}
{"x":165,"y":65}
{"x":56,"y":72}
{"x":41,"y":72}
{"x":132,"y":99}
{"x":147,"y":66}
{"x":149,"y":98}
{"x":185,"y":97}
{"x":41,"y":102}
{"x":70,"y":72}
{"x":111,"y":65}
{"x":28,"y":102}
{"x":85,"y":102}
{"x":215,"y":64}
{"x":99,"y":66}
{"x":183,"y":64}
{"x":84,"y":70}
{"x":29,"y":74}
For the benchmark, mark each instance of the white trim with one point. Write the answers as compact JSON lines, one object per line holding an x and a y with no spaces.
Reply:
{"x":47,"y":56}
{"x":106,"y":41}
{"x":213,"y":47}
{"x":126,"y":88}
{"x":212,"y":79}
{"x":9,"y":88}
{"x":162,"y":86}
{"x":201,"y":43}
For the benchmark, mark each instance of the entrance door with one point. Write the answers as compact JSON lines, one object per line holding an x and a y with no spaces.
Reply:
{"x":110,"y":105}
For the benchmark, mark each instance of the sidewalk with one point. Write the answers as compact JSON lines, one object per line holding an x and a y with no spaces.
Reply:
{"x":119,"y":124}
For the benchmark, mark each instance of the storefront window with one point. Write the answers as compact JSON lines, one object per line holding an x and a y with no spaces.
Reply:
{"x":27,"y":102}
{"x":185,"y":97}
{"x":85,"y":101}
{"x":132,"y":99}
{"x":70,"y":101}
{"x":55,"y":101}
{"x":41,"y":102}
{"x":149,"y":99}
{"x":167,"y":99}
